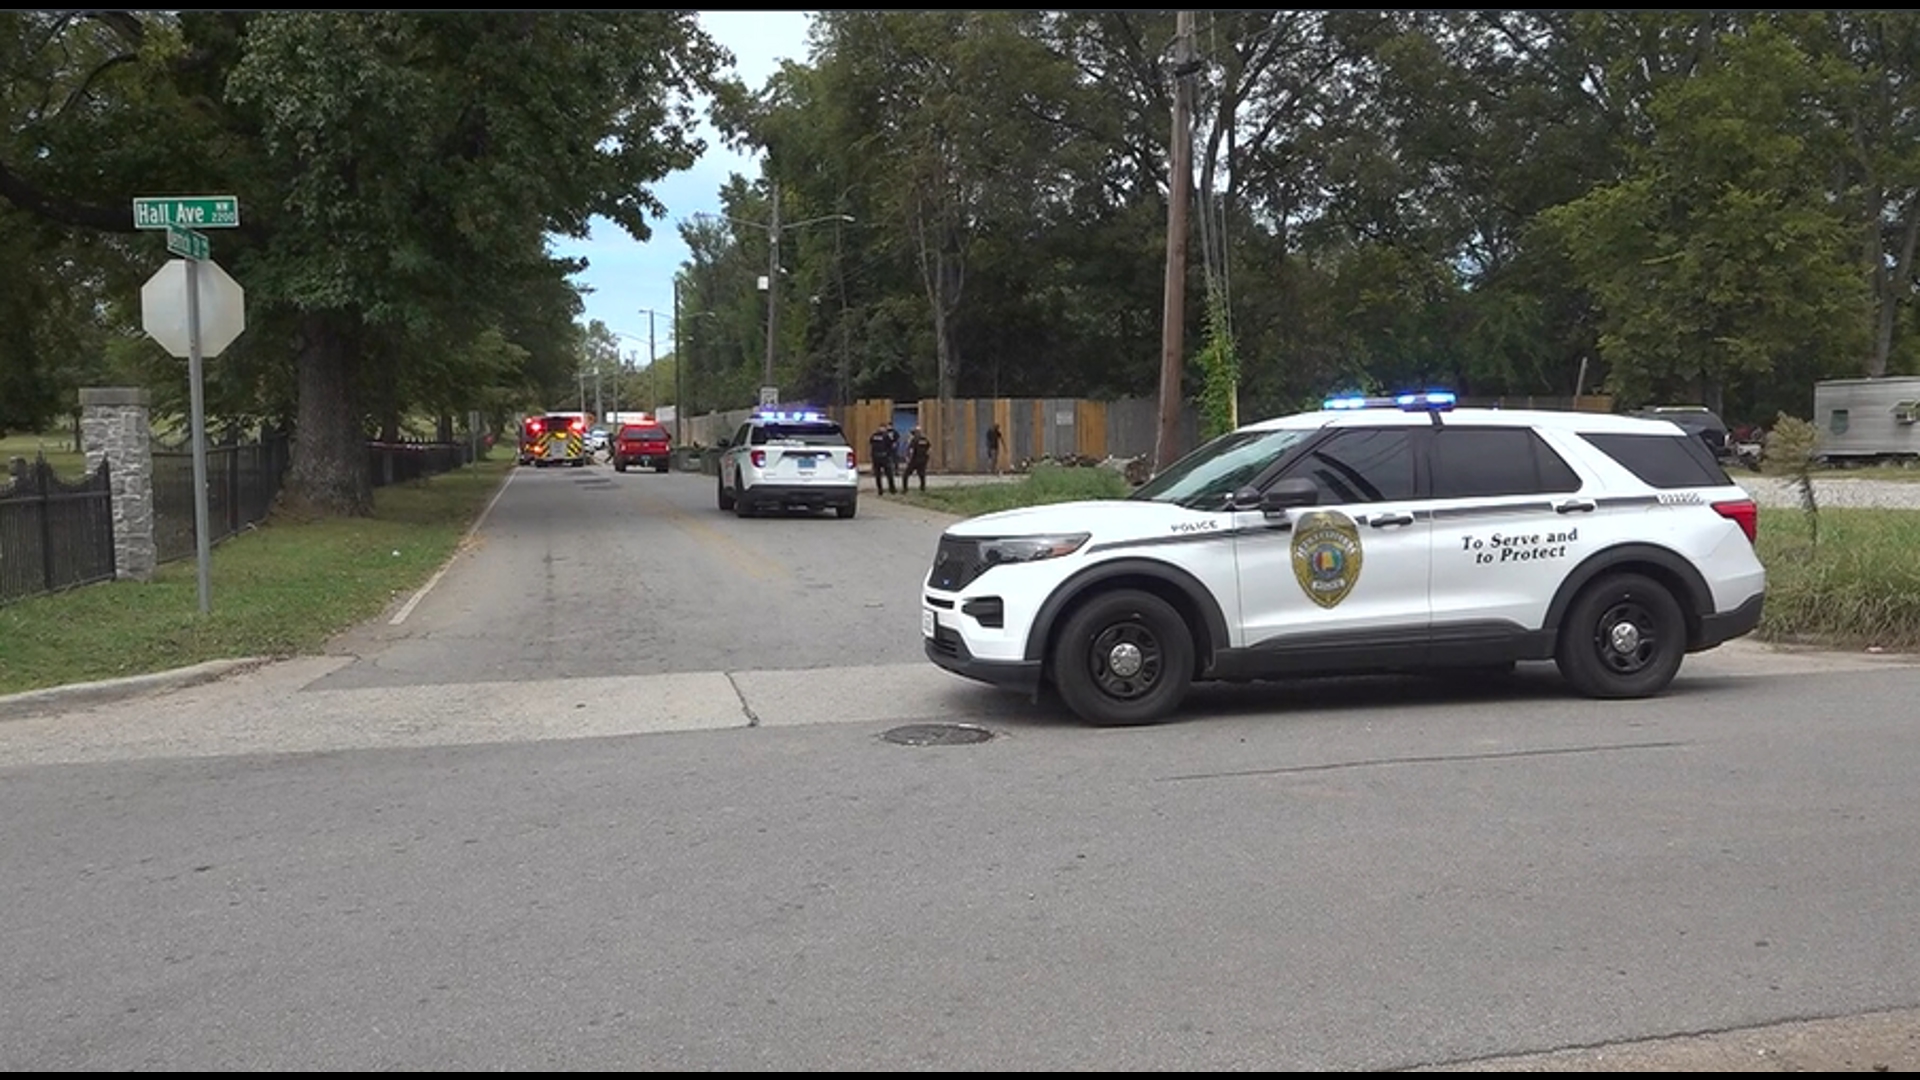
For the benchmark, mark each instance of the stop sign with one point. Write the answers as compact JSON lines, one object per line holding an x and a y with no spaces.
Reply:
{"x":163,"y":308}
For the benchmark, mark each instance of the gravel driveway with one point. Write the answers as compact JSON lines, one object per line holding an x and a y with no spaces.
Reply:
{"x":1838,"y":491}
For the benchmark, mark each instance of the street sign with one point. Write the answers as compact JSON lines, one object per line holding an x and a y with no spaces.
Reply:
{"x":188,"y":244}
{"x":194,"y":310}
{"x":187,"y":211}
{"x":769,"y":395}
{"x":163,"y":308}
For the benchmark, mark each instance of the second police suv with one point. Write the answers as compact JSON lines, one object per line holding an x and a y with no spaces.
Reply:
{"x":1375,"y":535}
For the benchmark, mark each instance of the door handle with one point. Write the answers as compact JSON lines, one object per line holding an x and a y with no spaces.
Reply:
{"x":1573,"y":506}
{"x":1381,"y":521}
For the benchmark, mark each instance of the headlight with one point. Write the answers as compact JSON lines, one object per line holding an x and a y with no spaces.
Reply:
{"x":1017,"y":549}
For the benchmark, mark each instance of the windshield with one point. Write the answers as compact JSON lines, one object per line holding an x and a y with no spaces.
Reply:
{"x":640,"y":434}
{"x":1205,"y":478}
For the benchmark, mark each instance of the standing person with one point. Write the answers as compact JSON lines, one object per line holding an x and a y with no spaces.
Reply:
{"x":919,"y":448}
{"x":993,"y":447}
{"x":880,"y":451}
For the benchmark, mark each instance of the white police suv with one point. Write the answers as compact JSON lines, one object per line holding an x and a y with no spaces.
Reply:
{"x":1376,"y":535}
{"x":788,"y":460}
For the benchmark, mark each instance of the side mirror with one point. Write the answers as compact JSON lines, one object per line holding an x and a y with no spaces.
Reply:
{"x":1288,"y":495}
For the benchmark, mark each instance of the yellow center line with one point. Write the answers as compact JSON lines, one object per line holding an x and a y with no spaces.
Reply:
{"x":750,"y":562}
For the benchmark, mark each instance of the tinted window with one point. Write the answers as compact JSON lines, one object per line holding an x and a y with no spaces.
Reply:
{"x":1484,"y":462}
{"x":807,"y":434}
{"x":1664,"y":461}
{"x":1360,"y":467}
{"x":643,"y":434}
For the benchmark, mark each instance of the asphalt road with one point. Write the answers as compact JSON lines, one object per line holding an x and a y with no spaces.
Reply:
{"x":614,"y":795}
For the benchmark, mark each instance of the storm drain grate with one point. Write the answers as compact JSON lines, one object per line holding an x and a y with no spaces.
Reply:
{"x":937,"y":735}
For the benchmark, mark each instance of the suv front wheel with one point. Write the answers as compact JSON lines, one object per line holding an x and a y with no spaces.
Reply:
{"x":1124,"y":658}
{"x":1624,"y":637}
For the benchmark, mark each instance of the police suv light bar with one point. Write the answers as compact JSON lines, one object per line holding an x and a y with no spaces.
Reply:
{"x":801,"y":416}
{"x":1431,"y":401}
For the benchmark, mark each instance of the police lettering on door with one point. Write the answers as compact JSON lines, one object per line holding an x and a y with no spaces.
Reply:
{"x":1499,"y":548}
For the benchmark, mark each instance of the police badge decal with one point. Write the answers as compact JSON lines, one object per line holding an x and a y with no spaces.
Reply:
{"x":1326,"y":556}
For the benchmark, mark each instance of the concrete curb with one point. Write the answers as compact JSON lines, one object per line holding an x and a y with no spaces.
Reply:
{"x":77,"y":695}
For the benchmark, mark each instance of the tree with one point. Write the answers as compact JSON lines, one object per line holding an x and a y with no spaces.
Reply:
{"x":1722,"y":261}
{"x":397,"y":172}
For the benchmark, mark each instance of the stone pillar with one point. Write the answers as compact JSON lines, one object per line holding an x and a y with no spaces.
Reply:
{"x":115,"y":425}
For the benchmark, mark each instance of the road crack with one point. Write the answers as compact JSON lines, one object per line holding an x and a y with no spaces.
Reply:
{"x":753,"y":718}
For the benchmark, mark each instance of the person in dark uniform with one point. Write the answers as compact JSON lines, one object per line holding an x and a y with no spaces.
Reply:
{"x":993,"y":448}
{"x":880,"y":451}
{"x":919,"y":448}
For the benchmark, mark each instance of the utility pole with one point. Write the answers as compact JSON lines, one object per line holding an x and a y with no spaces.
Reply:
{"x":653,"y":371}
{"x":773,"y":285}
{"x":1179,"y":194}
{"x":679,"y":372}
{"x":599,"y":403}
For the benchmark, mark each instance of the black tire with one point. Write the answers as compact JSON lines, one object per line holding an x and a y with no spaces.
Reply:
{"x":660,"y":468}
{"x":619,"y":466}
{"x":1161,"y":643}
{"x":578,"y":462}
{"x":721,"y":497}
{"x":741,"y":507}
{"x":1601,"y":657}
{"x":846,"y":511}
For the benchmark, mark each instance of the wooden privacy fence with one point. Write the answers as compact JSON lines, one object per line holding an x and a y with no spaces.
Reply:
{"x":1029,"y":427}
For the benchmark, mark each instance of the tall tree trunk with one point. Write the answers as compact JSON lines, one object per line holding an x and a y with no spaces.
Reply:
{"x":328,"y":475}
{"x":943,"y":350}
{"x":1892,"y":286}
{"x":444,"y":430}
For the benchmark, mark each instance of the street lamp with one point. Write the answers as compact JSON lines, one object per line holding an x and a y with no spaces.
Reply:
{"x":773,"y":230}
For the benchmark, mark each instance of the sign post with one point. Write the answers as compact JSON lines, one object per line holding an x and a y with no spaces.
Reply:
{"x":769,"y":395}
{"x":178,"y":216}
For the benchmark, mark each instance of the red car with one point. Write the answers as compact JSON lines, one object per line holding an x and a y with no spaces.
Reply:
{"x":641,"y":445}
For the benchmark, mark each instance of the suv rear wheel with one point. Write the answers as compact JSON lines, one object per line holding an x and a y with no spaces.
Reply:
{"x":1124,"y":657}
{"x":721,"y":497}
{"x":1624,"y":637}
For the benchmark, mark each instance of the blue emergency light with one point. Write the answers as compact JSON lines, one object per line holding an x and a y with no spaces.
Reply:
{"x":800,"y":416}
{"x":1431,"y":401}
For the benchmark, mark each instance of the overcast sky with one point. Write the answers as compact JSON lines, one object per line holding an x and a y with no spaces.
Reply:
{"x":626,"y":276}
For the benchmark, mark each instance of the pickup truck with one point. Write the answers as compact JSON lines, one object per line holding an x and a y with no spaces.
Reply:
{"x":641,"y":446}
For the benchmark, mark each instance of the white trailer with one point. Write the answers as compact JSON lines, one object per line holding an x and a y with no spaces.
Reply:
{"x":1868,"y":418}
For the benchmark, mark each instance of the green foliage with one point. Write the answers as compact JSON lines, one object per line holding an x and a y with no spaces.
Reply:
{"x":399,"y":174}
{"x":1046,"y":483}
{"x":1708,"y":203}
{"x":1219,"y":371}
{"x":1722,"y":259}
{"x":1790,"y":451}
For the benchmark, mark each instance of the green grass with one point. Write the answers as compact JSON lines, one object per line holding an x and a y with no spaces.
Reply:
{"x":56,"y":445}
{"x":281,"y":589}
{"x":1045,"y":484}
{"x":1859,"y":587}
